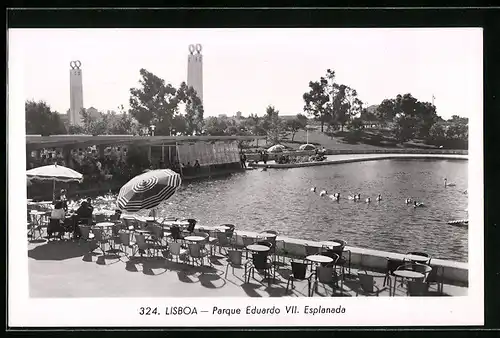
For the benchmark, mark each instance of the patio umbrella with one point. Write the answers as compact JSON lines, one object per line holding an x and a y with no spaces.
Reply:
{"x":276,"y":148}
{"x":148,"y":190}
{"x":54,"y":173}
{"x":307,"y":146}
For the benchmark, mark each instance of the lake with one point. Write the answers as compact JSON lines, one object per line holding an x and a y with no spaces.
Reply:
{"x":281,"y":200}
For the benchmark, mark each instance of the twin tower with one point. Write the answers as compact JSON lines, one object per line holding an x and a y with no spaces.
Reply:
{"x":194,"y":79}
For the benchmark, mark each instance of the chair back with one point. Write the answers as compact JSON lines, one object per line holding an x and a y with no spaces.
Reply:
{"x":312,"y":250}
{"x":393,"y":265}
{"x":129,"y":223}
{"x":85,"y":231}
{"x":299,"y":270}
{"x":331,"y":254}
{"x":417,"y":288}
{"x":222,"y":238}
{"x":247,"y":240}
{"x":259,"y":261}
{"x":434,"y":276}
{"x":194,"y":250}
{"x":234,"y":257}
{"x":192,"y":223}
{"x":175,"y":248}
{"x":124,"y":238}
{"x":422,"y":268}
{"x":366,"y":282}
{"x":175,"y":232}
{"x":98,"y":233}
{"x":140,"y":239}
{"x":157,"y":231}
{"x":324,"y":274}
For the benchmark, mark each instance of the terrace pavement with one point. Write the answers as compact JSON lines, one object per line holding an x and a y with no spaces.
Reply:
{"x":66,"y":269}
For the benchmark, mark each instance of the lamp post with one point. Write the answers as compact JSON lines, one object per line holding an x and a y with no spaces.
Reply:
{"x":152,"y":128}
{"x":307,"y":134}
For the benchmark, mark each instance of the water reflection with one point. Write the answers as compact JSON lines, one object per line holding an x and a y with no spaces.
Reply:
{"x":281,"y":199}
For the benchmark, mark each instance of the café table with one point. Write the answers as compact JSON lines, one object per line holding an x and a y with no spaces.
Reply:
{"x":319,"y":259}
{"x":194,"y":238}
{"x":417,"y":258}
{"x":105,"y":225}
{"x":258,"y":248}
{"x":407,"y":274}
{"x":268,"y":235}
{"x":331,"y":244}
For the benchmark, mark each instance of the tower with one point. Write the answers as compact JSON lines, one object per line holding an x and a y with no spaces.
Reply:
{"x":195,"y":70}
{"x":75,"y":93}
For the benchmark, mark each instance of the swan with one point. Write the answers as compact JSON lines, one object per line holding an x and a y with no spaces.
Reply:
{"x":323,"y":193}
{"x":353,"y":197}
{"x":446,"y":184}
{"x":313,"y":189}
{"x":417,"y":204}
{"x":368,"y":200}
{"x":358,"y":196}
{"x":379,"y":197}
{"x":335,"y":196}
{"x":408,"y":200}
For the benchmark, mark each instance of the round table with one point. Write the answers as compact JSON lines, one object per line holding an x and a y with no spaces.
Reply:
{"x":268,"y":235}
{"x":194,"y":238}
{"x":331,"y":244}
{"x":417,"y":258}
{"x":149,"y":219}
{"x":104,"y":225}
{"x":258,"y":248}
{"x":409,"y":274}
{"x":319,"y":259}
{"x":142,"y":231}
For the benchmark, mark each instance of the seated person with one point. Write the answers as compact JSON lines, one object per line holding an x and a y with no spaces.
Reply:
{"x":56,"y":219}
{"x":84,"y":212}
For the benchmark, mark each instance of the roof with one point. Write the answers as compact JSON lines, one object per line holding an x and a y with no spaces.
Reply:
{"x":78,"y":141}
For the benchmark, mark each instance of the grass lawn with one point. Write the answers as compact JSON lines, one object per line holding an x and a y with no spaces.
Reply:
{"x":368,"y":140}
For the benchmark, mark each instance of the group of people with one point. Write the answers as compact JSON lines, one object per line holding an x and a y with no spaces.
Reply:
{"x":63,"y":220}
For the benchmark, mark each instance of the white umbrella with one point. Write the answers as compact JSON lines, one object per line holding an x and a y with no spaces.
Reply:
{"x":276,"y":148}
{"x":307,"y":146}
{"x":54,"y":173}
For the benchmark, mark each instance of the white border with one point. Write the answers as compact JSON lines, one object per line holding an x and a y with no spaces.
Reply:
{"x":362,"y":311}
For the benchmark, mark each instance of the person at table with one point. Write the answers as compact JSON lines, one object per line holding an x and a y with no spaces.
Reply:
{"x":197,"y":166}
{"x":89,"y":203}
{"x":84,"y":212}
{"x":64,"y":199}
{"x":56,"y":218}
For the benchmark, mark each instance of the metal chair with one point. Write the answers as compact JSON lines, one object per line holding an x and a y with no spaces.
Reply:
{"x":392,"y":265}
{"x":143,"y":246}
{"x":326,"y":275}
{"x":176,"y":250}
{"x":234,"y":259}
{"x":435,"y":277}
{"x":417,"y":253}
{"x":417,"y":288}
{"x":299,"y":271}
{"x":259,"y":263}
{"x":366,"y":283}
{"x":196,"y":253}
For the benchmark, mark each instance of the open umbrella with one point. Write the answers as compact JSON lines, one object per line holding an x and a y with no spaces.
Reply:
{"x":148,"y":190}
{"x":54,"y":173}
{"x":307,"y":146}
{"x":277,"y":148}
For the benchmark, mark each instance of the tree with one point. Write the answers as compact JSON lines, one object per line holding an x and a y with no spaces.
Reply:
{"x":154,"y":103}
{"x":317,"y":99}
{"x":40,"y":119}
{"x":412,"y":118}
{"x":345,"y":104}
{"x":296,"y":124}
{"x":273,"y":125}
{"x":437,"y":134}
{"x":253,"y":125}
{"x":215,"y":126}
{"x":193,"y":109}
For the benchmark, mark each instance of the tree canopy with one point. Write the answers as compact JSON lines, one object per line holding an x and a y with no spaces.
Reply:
{"x":41,"y":120}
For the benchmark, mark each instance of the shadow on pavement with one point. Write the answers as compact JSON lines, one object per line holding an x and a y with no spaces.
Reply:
{"x":57,"y":251}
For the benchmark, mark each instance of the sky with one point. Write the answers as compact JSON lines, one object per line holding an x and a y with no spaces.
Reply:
{"x":248,"y":69}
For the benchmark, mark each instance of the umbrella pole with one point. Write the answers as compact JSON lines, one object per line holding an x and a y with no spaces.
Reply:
{"x":54,"y":190}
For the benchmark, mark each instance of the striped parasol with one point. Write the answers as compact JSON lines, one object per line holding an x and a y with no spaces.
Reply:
{"x":148,"y":190}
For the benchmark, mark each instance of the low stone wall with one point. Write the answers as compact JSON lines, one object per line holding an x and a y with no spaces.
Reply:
{"x":456,"y":273}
